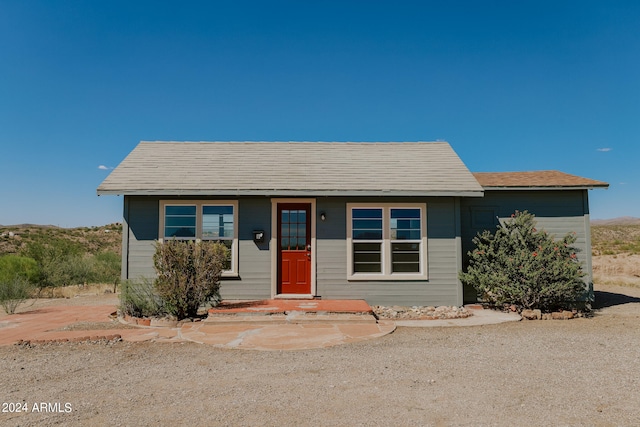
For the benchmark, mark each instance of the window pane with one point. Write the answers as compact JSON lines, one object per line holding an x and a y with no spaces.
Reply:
{"x":367,"y":234}
{"x":405,"y":234}
{"x":180,"y":221}
{"x":229,"y":245}
{"x":285,"y":216}
{"x":180,"y":232}
{"x":367,"y":213}
{"x":405,"y":213}
{"x":302,"y":216}
{"x":217,"y":221}
{"x":284,"y":242}
{"x":218,"y":209}
{"x":405,"y":258}
{"x":367,"y":258}
{"x":180,"y":210}
{"x":302,"y":243}
{"x":405,"y":224}
{"x":366,"y":224}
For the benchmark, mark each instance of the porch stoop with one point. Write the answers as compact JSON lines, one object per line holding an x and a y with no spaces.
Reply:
{"x":287,"y":311}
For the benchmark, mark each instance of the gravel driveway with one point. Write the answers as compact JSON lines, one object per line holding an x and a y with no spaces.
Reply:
{"x":580,"y":372}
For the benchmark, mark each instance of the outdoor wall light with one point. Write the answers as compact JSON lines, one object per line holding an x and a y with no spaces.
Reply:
{"x":258,"y":236}
{"x":323,"y":216}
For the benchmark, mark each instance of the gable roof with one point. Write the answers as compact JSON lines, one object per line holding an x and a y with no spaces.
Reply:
{"x":292,"y":168}
{"x":535,"y":180}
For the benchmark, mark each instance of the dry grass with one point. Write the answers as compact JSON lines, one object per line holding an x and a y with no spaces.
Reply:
{"x":615,"y":239}
{"x":77,"y":291}
{"x":622,"y":269}
{"x":616,"y":254}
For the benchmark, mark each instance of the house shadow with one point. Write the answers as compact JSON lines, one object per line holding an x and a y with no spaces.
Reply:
{"x":610,"y":299}
{"x":238,"y":305}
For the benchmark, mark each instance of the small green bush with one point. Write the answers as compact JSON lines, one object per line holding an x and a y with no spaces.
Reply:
{"x":106,"y":267}
{"x":522,"y":266}
{"x":139,"y":299}
{"x":61,"y":262}
{"x":189,"y":274}
{"x":14,"y":292}
{"x":14,"y":265}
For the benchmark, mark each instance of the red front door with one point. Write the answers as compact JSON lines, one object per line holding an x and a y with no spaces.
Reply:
{"x":294,"y":248}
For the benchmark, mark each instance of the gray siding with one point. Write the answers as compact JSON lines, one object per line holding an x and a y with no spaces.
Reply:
{"x":557,"y":211}
{"x":442,"y":287}
{"x":254,"y":260}
{"x":141,"y":214}
{"x":254,"y":264}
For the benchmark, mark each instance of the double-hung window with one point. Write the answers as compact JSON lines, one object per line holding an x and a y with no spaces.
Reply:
{"x":386,"y":242}
{"x":203,"y":220}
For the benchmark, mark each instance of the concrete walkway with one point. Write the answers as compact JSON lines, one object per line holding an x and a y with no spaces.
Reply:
{"x":480,"y":317}
{"x":288,"y":330}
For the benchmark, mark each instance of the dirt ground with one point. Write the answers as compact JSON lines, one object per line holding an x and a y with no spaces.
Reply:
{"x":568,"y":373}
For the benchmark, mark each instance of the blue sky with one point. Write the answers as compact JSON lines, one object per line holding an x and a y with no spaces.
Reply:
{"x":512,"y":85}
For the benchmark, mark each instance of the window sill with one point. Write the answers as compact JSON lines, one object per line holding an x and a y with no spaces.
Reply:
{"x":230,"y":274}
{"x":398,"y":277}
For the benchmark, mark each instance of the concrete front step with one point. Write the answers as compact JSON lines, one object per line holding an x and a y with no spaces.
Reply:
{"x":293,"y":317}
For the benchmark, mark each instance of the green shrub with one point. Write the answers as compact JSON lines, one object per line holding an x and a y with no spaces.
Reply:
{"x":14,"y":265}
{"x":106,"y":267}
{"x":189,"y":274}
{"x":522,"y":266}
{"x":14,"y":292}
{"x":61,"y":262}
{"x":139,"y":299}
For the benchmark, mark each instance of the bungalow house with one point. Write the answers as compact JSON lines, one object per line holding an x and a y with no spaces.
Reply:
{"x":386,"y":222}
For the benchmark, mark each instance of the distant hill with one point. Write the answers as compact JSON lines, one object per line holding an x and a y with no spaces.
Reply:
{"x":28,"y":226}
{"x":14,"y":238}
{"x":624,"y":220}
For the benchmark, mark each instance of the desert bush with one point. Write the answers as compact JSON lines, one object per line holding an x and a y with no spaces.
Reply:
{"x":60,"y":262}
{"x":14,"y":292}
{"x":106,"y":267}
{"x":526,"y":267}
{"x":14,"y":265}
{"x":189,"y":274}
{"x":139,"y":299}
{"x":63,"y":263}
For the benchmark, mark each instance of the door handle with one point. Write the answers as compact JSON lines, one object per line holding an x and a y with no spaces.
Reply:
{"x":309,"y":248}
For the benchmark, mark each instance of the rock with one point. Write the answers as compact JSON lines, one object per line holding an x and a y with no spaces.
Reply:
{"x":557,"y":315}
{"x":421,"y":312}
{"x":567,"y":315}
{"x":531,"y":314}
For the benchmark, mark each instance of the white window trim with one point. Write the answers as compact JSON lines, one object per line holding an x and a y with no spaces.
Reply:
{"x":233,"y":272}
{"x":386,"y":273}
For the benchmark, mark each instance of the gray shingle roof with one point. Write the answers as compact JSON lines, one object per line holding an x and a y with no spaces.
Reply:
{"x":292,"y":168}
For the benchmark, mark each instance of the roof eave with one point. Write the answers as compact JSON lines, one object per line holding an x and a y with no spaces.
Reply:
{"x":556,"y":187}
{"x":276,"y":192}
